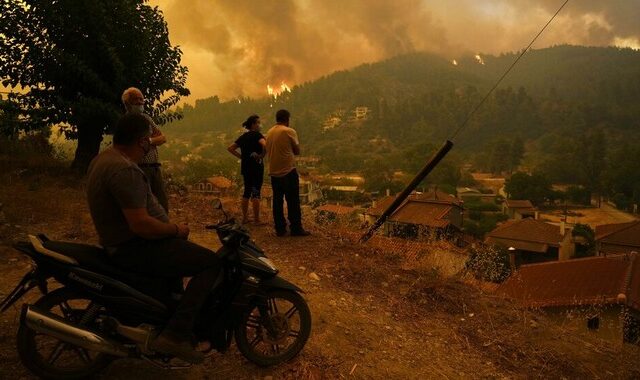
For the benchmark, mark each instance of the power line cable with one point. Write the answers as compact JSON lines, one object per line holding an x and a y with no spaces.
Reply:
{"x":470,"y":114}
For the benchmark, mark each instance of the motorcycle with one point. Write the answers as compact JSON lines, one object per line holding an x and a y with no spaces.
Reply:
{"x":101,"y":313}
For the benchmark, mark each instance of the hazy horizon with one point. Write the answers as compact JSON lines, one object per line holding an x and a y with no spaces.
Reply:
{"x":238,"y":48}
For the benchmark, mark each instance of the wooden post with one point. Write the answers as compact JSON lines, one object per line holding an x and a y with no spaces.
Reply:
{"x":430,"y":165}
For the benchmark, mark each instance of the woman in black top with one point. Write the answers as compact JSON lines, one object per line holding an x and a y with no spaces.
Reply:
{"x":252,"y":150}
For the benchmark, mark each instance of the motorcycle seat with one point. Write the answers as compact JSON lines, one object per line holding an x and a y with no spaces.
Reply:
{"x":96,"y":259}
{"x":86,"y":256}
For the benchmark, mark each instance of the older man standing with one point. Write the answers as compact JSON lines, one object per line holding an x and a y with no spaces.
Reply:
{"x":282,"y":146}
{"x":133,"y":101}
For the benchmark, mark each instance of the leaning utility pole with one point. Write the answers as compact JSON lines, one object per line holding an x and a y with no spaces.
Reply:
{"x":431,"y":164}
{"x":446,"y":147}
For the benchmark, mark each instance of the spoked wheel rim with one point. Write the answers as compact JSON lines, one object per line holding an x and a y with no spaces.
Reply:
{"x":44,"y":354}
{"x":61,"y":355}
{"x":290,"y":325}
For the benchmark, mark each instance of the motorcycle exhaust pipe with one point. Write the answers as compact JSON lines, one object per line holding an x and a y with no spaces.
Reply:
{"x":57,"y":327}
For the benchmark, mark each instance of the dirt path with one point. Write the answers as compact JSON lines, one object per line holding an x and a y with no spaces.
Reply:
{"x":374,"y":316}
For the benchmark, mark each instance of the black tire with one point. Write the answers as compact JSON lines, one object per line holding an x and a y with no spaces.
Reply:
{"x":251,"y":332}
{"x":32,"y":354}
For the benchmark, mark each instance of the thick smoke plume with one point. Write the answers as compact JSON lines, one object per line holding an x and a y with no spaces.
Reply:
{"x":238,"y":47}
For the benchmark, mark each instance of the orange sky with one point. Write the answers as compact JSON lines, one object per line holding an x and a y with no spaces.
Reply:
{"x":237,"y":47}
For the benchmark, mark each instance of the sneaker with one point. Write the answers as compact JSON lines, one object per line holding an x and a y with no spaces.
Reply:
{"x":168,"y":343}
{"x":300,"y":232}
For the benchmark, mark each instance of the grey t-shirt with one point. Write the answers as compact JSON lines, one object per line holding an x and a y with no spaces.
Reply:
{"x":116,"y":183}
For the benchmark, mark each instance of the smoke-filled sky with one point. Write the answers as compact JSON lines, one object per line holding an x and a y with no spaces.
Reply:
{"x":238,"y":47}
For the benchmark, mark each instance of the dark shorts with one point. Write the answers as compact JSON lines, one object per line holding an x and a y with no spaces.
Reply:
{"x":252,"y":184}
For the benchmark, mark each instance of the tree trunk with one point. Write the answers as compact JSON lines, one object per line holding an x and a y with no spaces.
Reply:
{"x":89,"y":139}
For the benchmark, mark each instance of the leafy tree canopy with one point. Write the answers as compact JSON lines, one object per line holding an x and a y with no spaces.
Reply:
{"x":73,"y":59}
{"x":534,"y":187}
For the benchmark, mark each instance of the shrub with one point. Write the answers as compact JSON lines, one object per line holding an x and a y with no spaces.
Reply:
{"x":489,"y":263}
{"x":621,"y":201}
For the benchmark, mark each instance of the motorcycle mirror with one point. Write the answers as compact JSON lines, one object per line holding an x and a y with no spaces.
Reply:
{"x":217,"y":204}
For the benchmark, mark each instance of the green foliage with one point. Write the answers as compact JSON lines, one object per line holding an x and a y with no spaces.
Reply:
{"x":564,"y":104}
{"x":587,"y":240}
{"x":481,"y":206}
{"x":199,"y":169}
{"x":623,"y":175}
{"x":475,"y":215}
{"x":578,"y":195}
{"x":75,"y":57}
{"x":480,"y":223}
{"x":344,"y":197}
{"x":10,"y":124}
{"x":534,"y":187}
{"x":489,"y":263}
{"x":621,"y":201}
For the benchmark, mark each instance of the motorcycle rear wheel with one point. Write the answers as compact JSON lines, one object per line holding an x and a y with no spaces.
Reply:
{"x":50,"y":358}
{"x":289,"y":313}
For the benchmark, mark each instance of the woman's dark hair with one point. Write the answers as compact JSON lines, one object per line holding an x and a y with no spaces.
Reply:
{"x":251,"y":120}
{"x":130,"y":128}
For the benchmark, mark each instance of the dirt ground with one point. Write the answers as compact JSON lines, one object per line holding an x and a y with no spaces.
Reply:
{"x":377,"y":314}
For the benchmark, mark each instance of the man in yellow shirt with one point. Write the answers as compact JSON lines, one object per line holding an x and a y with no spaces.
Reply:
{"x":282,"y":147}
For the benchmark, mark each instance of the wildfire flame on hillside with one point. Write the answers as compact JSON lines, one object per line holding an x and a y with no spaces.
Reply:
{"x":275,"y":92}
{"x":454,"y":62}
{"x":479,"y":59}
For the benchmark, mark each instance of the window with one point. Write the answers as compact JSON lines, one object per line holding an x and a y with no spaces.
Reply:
{"x":593,"y":323}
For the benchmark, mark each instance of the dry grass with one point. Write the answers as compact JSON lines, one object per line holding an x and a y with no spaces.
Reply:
{"x":385,"y":309}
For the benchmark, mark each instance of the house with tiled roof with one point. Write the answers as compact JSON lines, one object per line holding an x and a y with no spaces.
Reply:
{"x":519,"y":209}
{"x":216,"y":185}
{"x":618,"y":238}
{"x":433,"y":214}
{"x":600,"y":295}
{"x":531,"y":241}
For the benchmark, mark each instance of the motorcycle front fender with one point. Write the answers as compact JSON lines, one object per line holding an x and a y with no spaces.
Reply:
{"x":277,"y":282}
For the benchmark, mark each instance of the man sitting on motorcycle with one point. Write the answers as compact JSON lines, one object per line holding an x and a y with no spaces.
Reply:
{"x":136,"y":232}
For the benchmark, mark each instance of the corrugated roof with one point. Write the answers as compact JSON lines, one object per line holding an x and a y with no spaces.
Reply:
{"x":530,"y":230}
{"x":620,"y":233}
{"x":588,"y":281}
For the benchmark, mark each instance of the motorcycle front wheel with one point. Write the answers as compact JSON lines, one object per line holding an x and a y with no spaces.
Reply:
{"x":49,"y":358}
{"x":290,"y":326}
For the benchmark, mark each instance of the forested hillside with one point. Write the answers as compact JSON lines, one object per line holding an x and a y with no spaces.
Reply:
{"x":553,"y":98}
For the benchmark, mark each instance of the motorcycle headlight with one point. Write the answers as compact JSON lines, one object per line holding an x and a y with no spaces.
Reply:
{"x":268,"y":262}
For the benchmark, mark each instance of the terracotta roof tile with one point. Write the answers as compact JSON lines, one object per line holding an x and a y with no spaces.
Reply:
{"x":620,"y":233}
{"x":423,"y":213}
{"x":380,"y":206}
{"x":588,"y":281}
{"x":529,"y":230}
{"x":418,"y":209}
